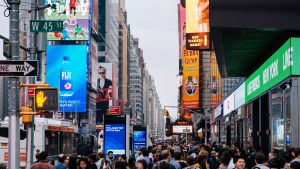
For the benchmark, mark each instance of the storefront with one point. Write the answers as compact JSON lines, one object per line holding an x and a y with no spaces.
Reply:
{"x":266,"y":111}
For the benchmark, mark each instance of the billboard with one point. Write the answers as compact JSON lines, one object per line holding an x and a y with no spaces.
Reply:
{"x":197,"y":24}
{"x":177,"y":129}
{"x":182,"y":39}
{"x":115,"y":127}
{"x":74,"y":29}
{"x":190,"y":83}
{"x":66,"y":70}
{"x":94,"y":63}
{"x":95,"y":16}
{"x":105,"y":83}
{"x":139,"y":137}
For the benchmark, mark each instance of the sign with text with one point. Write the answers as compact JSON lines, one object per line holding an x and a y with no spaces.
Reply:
{"x":18,"y":68}
{"x":66,"y":70}
{"x":190,"y":80}
{"x":182,"y":129}
{"x":283,"y":63}
{"x":197,"y":24}
{"x":46,"y":26}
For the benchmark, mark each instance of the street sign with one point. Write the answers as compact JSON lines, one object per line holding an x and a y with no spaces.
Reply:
{"x":18,"y":68}
{"x":46,"y":99}
{"x":186,"y":130}
{"x":30,"y":91}
{"x":46,"y":26}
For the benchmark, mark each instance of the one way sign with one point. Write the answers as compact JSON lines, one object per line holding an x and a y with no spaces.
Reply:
{"x":18,"y":68}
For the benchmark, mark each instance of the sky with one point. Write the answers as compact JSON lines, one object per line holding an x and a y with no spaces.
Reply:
{"x":155,"y":23}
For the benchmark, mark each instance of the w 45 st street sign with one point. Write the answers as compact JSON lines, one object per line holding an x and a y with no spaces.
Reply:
{"x":18,"y":68}
{"x":46,"y":26}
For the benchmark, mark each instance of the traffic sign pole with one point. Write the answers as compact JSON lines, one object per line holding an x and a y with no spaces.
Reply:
{"x":13,"y":90}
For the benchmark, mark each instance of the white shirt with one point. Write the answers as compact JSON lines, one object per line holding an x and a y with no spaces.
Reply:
{"x":102,"y":81}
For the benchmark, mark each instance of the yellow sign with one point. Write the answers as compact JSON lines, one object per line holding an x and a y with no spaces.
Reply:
{"x":46,"y":99}
{"x":190,"y":83}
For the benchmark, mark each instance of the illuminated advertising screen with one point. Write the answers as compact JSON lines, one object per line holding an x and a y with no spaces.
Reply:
{"x":190,"y":80}
{"x":139,"y":137}
{"x":75,"y":16}
{"x":115,"y":134}
{"x":197,"y":24}
{"x":66,"y":70}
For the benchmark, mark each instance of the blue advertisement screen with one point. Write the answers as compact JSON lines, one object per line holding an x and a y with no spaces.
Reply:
{"x":115,"y":138}
{"x":139,"y":140}
{"x":66,"y":67}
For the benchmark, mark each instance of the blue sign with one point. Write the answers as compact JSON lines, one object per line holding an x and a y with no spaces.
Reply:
{"x":139,"y":140}
{"x":66,"y":67}
{"x":115,"y":138}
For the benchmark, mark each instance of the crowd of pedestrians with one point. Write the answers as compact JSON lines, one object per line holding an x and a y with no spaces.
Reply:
{"x":169,"y":155}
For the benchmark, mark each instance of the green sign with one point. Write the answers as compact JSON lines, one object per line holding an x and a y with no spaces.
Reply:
{"x":282,"y":64}
{"x":46,"y":26}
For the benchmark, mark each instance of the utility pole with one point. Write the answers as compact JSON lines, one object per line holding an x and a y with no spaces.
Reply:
{"x":30,"y":80}
{"x":13,"y":90}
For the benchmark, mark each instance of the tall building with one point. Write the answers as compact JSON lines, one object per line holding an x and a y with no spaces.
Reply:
{"x":229,"y":84}
{"x":136,"y":81}
{"x":123,"y":55}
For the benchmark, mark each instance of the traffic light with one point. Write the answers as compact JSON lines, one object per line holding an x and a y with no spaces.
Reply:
{"x":46,"y":99}
{"x":26,"y":118}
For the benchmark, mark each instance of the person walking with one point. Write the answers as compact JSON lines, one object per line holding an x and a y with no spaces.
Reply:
{"x":61,"y":162}
{"x":259,"y":160}
{"x":83,"y":164}
{"x":43,"y":162}
{"x":239,"y":162}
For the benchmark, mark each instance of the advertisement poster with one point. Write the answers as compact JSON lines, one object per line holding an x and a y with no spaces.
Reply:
{"x":182,"y":34}
{"x":66,"y":70}
{"x":94,"y":63}
{"x":105,"y":83}
{"x":190,"y":80}
{"x":139,"y":140}
{"x":111,"y":132}
{"x":197,"y":24}
{"x":74,"y":29}
{"x":95,"y":16}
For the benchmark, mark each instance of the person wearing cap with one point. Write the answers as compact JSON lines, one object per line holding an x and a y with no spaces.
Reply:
{"x":61,"y":164}
{"x":43,"y":162}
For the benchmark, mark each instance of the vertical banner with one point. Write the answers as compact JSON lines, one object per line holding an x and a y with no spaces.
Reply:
{"x":66,"y":70}
{"x":215,"y":81}
{"x":197,"y":24}
{"x":182,"y":34}
{"x":95,"y":16}
{"x":75,"y":16}
{"x":190,"y":83}
{"x":94,"y":63}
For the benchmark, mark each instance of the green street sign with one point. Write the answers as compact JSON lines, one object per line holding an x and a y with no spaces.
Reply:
{"x":282,"y":64}
{"x":46,"y":26}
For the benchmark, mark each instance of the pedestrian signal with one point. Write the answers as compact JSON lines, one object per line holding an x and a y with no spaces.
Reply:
{"x":46,"y":99}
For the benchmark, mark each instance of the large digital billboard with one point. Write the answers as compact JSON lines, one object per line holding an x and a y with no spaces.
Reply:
{"x":74,"y":13}
{"x":115,"y":134}
{"x":190,"y":80}
{"x":66,"y":69}
{"x":105,"y":83}
{"x":197,"y":24}
{"x":139,"y":137}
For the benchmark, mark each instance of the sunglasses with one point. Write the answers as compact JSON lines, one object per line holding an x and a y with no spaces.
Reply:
{"x":101,"y":72}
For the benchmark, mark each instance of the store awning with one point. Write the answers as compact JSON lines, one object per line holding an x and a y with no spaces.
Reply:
{"x":244,"y":33}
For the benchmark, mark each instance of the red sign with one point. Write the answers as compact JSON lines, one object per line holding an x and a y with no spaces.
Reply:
{"x":114,"y":110}
{"x":30,"y":91}
{"x":22,"y":156}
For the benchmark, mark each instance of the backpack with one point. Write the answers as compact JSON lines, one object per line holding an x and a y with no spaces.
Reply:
{"x":151,"y":164}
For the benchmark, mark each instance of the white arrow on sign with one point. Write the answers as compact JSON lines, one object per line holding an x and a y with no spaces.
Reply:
{"x":25,"y":68}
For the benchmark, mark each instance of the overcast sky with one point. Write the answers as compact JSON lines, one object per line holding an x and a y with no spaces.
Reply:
{"x":155,"y":23}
